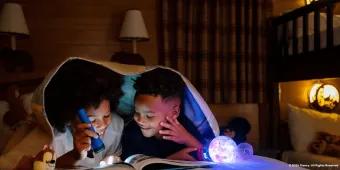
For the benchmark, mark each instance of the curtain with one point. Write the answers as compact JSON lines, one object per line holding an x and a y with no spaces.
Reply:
{"x":220,"y":45}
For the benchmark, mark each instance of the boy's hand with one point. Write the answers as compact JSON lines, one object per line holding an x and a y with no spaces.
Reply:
{"x":183,"y":154}
{"x":82,"y":139}
{"x":176,"y":132}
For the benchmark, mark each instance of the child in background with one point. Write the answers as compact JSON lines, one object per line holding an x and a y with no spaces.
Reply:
{"x":159,"y":128}
{"x":97,"y":92}
{"x":237,"y":129}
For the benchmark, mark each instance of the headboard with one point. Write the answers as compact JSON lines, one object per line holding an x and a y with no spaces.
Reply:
{"x":225,"y":112}
{"x":12,"y":86}
{"x":25,"y":82}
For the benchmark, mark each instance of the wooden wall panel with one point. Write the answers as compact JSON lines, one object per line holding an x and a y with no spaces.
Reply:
{"x":86,"y":28}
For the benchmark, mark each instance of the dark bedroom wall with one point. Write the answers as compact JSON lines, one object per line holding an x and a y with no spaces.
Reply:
{"x":86,"y":28}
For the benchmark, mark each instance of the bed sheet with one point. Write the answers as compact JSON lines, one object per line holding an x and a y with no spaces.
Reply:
{"x":257,"y":162}
{"x":307,"y":158}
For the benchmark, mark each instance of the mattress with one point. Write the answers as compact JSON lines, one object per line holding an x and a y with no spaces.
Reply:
{"x":323,"y":32}
{"x":307,"y":158}
{"x":257,"y":162}
{"x":254,"y":163}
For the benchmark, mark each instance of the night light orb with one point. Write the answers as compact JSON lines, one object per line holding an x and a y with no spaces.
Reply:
{"x":222,"y":149}
{"x":244,"y":151}
{"x":323,"y":97}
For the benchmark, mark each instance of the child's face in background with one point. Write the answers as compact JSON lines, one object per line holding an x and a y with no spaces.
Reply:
{"x":150,"y":111}
{"x":100,"y":117}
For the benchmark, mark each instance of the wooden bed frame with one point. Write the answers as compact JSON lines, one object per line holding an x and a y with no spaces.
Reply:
{"x":308,"y":64}
{"x":315,"y":63}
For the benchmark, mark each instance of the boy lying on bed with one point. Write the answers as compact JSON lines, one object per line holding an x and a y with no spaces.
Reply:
{"x":159,"y":128}
{"x":98,"y":95}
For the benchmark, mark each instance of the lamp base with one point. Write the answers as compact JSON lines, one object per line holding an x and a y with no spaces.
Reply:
{"x":127,"y":58}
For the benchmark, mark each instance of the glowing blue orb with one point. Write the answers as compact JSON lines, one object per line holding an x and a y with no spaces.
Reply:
{"x":222,"y":149}
{"x":244,"y":151}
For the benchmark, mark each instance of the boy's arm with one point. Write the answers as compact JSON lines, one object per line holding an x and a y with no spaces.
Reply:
{"x":81,"y":145}
{"x":176,"y":132}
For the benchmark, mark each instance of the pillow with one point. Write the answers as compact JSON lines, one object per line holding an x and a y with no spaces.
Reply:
{"x":126,"y":102}
{"x":326,"y":144}
{"x":20,"y":106}
{"x":11,"y":135}
{"x":4,"y":132}
{"x":305,"y":123}
{"x":27,"y":102}
{"x":4,"y":107}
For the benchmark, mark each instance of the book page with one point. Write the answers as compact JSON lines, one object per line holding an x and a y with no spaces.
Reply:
{"x":117,"y":166}
{"x":140,"y":161}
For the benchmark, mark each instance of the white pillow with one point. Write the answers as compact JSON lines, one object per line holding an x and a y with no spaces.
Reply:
{"x":4,"y":107}
{"x":305,"y":123}
{"x":4,"y":132}
{"x":27,"y":102}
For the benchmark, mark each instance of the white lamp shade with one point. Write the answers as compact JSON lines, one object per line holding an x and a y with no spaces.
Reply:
{"x":133,"y":27}
{"x":12,"y":20}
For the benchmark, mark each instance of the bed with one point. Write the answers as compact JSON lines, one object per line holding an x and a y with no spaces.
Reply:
{"x":223,"y":113}
{"x":300,"y":37}
{"x":15,"y":99}
{"x":305,"y":45}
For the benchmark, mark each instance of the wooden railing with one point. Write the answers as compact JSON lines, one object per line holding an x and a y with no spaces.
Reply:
{"x":281,"y":38}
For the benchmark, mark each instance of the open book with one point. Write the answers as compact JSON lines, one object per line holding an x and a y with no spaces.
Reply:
{"x":143,"y":162}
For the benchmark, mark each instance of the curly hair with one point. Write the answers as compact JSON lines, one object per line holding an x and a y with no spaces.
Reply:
{"x":78,"y":85}
{"x":160,"y":81}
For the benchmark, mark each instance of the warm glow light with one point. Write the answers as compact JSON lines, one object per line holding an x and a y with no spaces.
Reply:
{"x":310,"y":1}
{"x":312,"y":92}
{"x":223,"y":149}
{"x":324,"y":97}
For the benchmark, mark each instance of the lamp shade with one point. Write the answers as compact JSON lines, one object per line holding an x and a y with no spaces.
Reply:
{"x":307,"y":2}
{"x":133,"y":27}
{"x":12,"y":20}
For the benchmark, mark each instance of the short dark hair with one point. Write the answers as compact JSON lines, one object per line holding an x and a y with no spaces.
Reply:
{"x":160,"y":81}
{"x":79,"y":85}
{"x":241,"y":126}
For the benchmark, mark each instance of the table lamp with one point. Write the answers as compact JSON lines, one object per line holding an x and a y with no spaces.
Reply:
{"x":133,"y":28}
{"x":13,"y":23}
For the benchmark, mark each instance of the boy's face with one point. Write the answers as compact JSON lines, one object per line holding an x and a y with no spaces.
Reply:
{"x":152,"y":110}
{"x":100,"y":117}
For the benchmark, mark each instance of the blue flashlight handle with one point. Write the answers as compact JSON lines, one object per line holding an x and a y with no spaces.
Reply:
{"x":96,"y":143}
